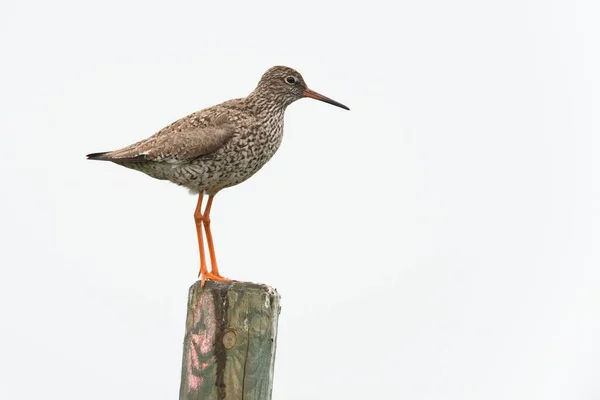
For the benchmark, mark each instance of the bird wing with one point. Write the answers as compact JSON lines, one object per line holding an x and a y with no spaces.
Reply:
{"x":194,"y":136}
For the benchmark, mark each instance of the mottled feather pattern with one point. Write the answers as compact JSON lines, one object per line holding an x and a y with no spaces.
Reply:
{"x":219,"y":146}
{"x":210,"y":149}
{"x":190,"y":137}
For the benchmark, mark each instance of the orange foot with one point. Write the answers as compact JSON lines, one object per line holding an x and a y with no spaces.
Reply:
{"x":212,"y":277}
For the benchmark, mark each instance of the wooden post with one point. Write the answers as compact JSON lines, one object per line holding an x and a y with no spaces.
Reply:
{"x":230,"y":341}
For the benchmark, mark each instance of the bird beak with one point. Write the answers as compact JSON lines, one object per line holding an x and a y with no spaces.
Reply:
{"x":317,"y":96}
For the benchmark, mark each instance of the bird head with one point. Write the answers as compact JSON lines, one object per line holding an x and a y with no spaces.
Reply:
{"x":286,"y":85}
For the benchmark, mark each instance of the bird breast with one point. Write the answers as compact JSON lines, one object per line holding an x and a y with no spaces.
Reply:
{"x":246,"y":153}
{"x":257,"y":146}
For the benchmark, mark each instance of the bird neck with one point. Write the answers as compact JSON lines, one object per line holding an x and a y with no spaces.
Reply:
{"x":267,"y":103}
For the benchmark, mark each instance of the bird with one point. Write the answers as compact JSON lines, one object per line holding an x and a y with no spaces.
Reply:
{"x":218,"y":147}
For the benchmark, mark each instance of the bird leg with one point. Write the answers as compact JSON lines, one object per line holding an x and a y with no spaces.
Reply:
{"x":211,"y":247}
{"x":199,"y":218}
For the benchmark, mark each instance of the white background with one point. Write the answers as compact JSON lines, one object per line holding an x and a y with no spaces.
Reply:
{"x":439,"y":241}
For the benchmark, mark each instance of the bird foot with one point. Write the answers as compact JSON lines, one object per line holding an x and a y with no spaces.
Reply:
{"x":212,"y":277}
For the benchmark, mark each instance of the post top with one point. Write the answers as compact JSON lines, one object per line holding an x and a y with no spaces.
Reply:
{"x":235,"y":286}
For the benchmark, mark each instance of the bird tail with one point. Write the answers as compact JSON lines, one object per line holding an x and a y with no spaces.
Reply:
{"x":98,"y":156}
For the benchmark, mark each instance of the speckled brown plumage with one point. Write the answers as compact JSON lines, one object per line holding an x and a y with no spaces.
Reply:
{"x":220,"y":146}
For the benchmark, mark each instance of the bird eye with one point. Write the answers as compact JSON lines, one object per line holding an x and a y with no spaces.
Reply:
{"x":290,"y":80}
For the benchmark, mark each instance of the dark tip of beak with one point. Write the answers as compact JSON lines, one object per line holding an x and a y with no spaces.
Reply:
{"x":317,"y":96}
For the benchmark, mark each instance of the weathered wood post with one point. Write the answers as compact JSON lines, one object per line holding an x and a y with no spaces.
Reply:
{"x":230,"y":341}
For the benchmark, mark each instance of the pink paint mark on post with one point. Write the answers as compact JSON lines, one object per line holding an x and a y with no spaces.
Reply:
{"x":194,"y":383}
{"x":207,"y":336}
{"x":202,"y":341}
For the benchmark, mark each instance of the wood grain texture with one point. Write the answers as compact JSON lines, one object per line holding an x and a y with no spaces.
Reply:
{"x":230,"y":342}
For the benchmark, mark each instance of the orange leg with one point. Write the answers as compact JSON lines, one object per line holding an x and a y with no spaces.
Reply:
{"x":199,"y":218}
{"x":211,"y":247}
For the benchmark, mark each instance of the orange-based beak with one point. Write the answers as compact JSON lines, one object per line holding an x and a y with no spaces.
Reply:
{"x":317,"y":96}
